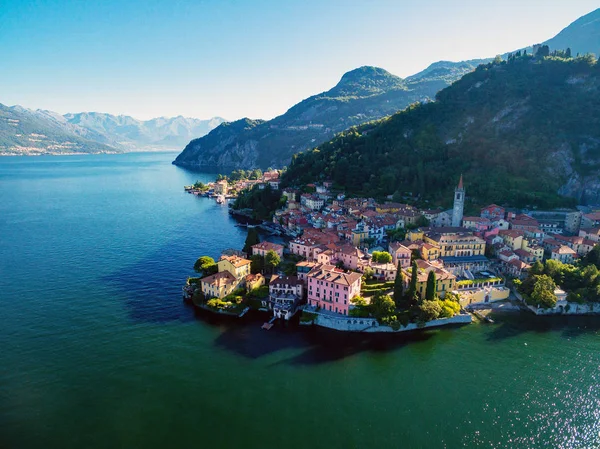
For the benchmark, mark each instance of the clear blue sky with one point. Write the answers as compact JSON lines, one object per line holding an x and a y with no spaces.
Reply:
{"x":204,"y":58}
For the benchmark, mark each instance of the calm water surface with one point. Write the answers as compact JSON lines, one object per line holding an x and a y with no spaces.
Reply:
{"x":98,"y":351}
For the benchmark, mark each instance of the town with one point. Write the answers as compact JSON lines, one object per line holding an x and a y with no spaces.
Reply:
{"x":354,"y":264}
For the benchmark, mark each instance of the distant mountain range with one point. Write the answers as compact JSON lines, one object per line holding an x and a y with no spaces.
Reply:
{"x":362,"y":95}
{"x":27,"y":131}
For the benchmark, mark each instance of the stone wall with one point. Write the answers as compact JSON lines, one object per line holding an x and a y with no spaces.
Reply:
{"x":571,"y":308}
{"x":354,"y":324}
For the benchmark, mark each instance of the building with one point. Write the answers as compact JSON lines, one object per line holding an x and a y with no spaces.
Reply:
{"x":590,"y":220}
{"x":312,"y":201}
{"x":384,"y":271}
{"x":221,"y":187}
{"x":254,"y":281}
{"x":285,"y":295}
{"x":477,"y":224}
{"x":563,"y":254}
{"x":573,"y":221}
{"x":303,"y":268}
{"x":218,"y":285}
{"x":237,"y":266}
{"x":400,"y":253}
{"x":524,"y":222}
{"x":304,"y":247}
{"x":331,"y":289}
{"x":459,"y":249}
{"x":360,"y":233}
{"x":512,"y":238}
{"x":446,"y":281}
{"x":592,"y":234}
{"x":262,"y":248}
{"x":459,"y":204}
{"x":493,"y":212}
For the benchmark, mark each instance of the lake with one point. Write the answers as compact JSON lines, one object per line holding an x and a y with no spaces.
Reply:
{"x":98,"y":350}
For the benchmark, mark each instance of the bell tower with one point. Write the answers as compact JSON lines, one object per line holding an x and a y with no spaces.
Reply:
{"x":459,"y":204}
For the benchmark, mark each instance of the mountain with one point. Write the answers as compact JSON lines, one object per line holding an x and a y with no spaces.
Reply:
{"x":23,"y":131}
{"x":26,"y":131}
{"x":582,"y":36}
{"x":129,"y":133}
{"x":523,"y":132}
{"x":362,"y":95}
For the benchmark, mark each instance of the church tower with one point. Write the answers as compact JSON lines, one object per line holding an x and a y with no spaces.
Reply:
{"x":459,"y":204}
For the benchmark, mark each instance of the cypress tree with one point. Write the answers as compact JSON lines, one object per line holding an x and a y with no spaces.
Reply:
{"x":251,"y":239}
{"x":431,"y":288}
{"x":399,"y":287}
{"x":412,"y":289}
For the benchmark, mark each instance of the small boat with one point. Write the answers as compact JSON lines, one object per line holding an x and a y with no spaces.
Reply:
{"x":220,"y":199}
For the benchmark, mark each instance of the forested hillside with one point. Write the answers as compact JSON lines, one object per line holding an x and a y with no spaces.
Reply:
{"x":523,"y":132}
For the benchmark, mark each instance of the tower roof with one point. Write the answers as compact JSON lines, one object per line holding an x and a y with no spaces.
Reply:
{"x":460,"y":183}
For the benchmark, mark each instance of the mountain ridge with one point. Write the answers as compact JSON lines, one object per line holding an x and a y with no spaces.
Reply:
{"x":265,"y":149}
{"x":362,"y":94}
{"x":92,"y":132}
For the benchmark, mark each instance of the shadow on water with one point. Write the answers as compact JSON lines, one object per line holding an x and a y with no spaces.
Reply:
{"x":152,"y":286}
{"x":511,"y":325}
{"x":318,"y":345}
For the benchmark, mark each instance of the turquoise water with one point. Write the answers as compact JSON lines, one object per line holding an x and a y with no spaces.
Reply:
{"x":98,"y":351}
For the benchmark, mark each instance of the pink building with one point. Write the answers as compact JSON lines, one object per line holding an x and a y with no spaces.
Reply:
{"x":262,"y":248}
{"x":400,"y":253}
{"x":304,"y":248}
{"x":331,"y":289}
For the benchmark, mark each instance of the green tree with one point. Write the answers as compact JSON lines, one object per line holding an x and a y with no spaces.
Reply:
{"x":272,"y":260}
{"x":205,"y":265}
{"x":428,"y":310}
{"x":368,"y":274}
{"x":593,"y":257}
{"x":422,"y":221}
{"x":554,"y":269}
{"x":257,"y":264}
{"x":431,"y":288}
{"x":381,"y":257}
{"x":251,"y":239}
{"x":399,"y":287}
{"x":543,"y":292}
{"x":537,"y":268}
{"x":382,"y":306}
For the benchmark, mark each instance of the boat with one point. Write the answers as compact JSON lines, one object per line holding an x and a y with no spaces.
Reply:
{"x":220,"y":199}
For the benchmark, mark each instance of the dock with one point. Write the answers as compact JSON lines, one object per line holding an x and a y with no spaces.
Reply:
{"x":269,"y":325}
{"x":482,"y":317}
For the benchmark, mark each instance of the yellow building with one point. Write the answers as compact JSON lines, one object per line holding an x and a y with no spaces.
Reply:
{"x":414,"y":235}
{"x":536,"y":251}
{"x":221,"y":187}
{"x":236,"y":265}
{"x":446,"y":281}
{"x":254,"y":281}
{"x":218,"y":285}
{"x":513,"y":238}
{"x":360,"y":233}
{"x":456,"y":243}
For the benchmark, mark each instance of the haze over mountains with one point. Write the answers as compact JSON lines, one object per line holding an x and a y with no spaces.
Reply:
{"x":362,"y":95}
{"x":27,"y":131}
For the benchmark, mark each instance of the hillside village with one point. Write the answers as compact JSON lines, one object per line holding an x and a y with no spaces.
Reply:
{"x":347,"y":257}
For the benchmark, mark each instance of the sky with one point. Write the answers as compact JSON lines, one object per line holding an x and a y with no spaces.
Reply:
{"x":234,"y":59}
